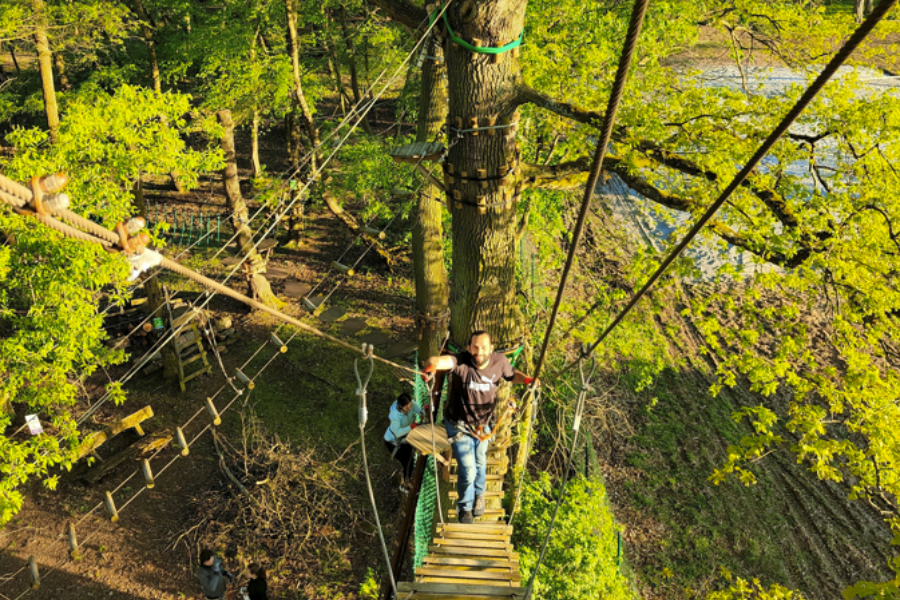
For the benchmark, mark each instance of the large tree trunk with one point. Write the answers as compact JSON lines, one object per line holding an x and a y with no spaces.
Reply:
{"x":351,"y":61}
{"x":432,"y":289}
{"x":45,"y":65}
{"x":483,"y":92}
{"x":302,"y":112}
{"x":254,"y":265}
{"x":147,"y":32}
{"x":154,"y":294}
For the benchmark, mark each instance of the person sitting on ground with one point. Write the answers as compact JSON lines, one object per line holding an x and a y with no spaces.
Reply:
{"x":475,"y":375}
{"x":403,"y":420}
{"x":211,"y":574}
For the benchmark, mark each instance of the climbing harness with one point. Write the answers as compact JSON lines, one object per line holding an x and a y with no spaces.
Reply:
{"x":361,"y":386}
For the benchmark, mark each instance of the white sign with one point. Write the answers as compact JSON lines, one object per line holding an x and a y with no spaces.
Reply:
{"x":34,"y":425}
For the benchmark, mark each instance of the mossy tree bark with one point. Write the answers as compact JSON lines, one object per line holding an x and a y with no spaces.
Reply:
{"x":254,"y":263}
{"x":45,"y":66}
{"x":432,"y":288}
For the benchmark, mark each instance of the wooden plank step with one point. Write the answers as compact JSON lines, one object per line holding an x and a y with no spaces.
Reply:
{"x":473,"y":552}
{"x":457,"y":561}
{"x":474,"y":535}
{"x":467,"y":573}
{"x":487,"y":494}
{"x":454,"y":592}
{"x":469,"y":581}
{"x":491,"y":462}
{"x":490,"y":514}
{"x":420,"y":438}
{"x":490,"y":476}
{"x":481,"y":528}
{"x":418,"y":151}
{"x":470,"y":543}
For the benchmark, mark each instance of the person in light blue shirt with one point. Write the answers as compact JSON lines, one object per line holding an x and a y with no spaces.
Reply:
{"x":403,"y":420}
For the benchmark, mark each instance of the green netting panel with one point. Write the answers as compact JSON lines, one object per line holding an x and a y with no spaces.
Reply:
{"x":425,"y":513}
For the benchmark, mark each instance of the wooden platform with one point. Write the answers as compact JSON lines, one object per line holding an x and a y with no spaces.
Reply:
{"x":420,"y":439}
{"x":418,"y":152}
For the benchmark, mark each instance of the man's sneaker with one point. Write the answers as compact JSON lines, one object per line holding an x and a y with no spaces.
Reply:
{"x":465,"y":516}
{"x":478,"y":509}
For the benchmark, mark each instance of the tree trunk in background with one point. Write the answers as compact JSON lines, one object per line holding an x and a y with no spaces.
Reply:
{"x":292,"y":135}
{"x":302,"y":112}
{"x":254,"y":265}
{"x":334,"y":65}
{"x":432,"y":288}
{"x":154,"y":294}
{"x":351,"y":60}
{"x":15,"y":61}
{"x":45,"y":66}
{"x":255,"y":166}
{"x":147,"y":32}
{"x":60,"y":63}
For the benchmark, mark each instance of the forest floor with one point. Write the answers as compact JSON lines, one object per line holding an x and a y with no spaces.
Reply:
{"x":681,"y":530}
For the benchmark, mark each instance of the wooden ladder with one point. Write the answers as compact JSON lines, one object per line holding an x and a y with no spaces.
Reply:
{"x":472,"y":561}
{"x":184,"y":353}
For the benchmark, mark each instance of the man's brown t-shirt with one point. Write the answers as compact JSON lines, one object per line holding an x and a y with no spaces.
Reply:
{"x":473,"y":391}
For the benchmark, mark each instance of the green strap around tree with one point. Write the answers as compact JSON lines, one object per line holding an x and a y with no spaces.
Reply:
{"x":479,"y":49}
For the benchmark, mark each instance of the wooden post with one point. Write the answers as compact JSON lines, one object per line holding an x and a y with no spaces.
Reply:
{"x":348,"y":271}
{"x":182,"y":441}
{"x":35,"y":575}
{"x":244,"y":379}
{"x":148,"y":474}
{"x":217,"y":420}
{"x":111,"y":507}
{"x":282,"y":347}
{"x":375,"y":233}
{"x":73,"y":541}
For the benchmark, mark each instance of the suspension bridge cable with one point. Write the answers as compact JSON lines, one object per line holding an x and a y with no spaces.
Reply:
{"x":812,"y":91}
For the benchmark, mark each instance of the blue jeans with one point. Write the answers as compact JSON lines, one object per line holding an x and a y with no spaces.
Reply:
{"x":471,"y":460}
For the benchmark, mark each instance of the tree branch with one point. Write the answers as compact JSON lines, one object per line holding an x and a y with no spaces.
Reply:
{"x":403,"y":12}
{"x":529,"y":95}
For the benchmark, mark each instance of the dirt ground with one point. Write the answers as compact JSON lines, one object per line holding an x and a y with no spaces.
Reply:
{"x":135,"y":557}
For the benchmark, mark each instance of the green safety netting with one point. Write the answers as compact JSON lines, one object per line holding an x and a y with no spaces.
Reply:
{"x":425,"y":513}
{"x":427,"y":492}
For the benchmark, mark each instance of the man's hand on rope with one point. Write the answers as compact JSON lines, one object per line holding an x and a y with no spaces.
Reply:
{"x":429,"y":371}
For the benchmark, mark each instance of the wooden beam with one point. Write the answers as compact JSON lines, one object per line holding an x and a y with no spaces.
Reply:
{"x":98,"y":438}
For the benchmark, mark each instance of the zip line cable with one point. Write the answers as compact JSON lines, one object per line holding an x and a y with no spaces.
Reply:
{"x":812,"y":91}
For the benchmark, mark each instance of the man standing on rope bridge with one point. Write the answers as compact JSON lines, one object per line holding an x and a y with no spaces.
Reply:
{"x":474,"y":377}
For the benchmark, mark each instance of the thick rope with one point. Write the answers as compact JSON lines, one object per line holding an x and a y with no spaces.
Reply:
{"x":855,"y":40}
{"x":615,"y":97}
